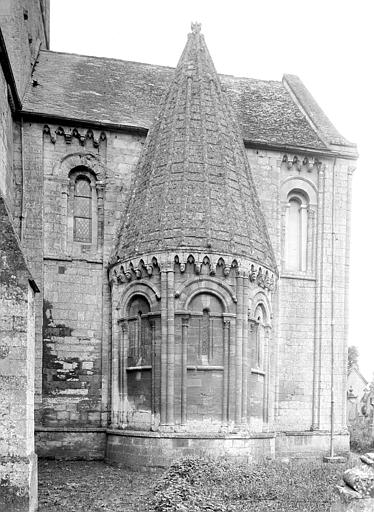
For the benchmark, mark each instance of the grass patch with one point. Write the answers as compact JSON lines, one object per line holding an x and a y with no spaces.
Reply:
{"x":189,"y":485}
{"x":79,"y":486}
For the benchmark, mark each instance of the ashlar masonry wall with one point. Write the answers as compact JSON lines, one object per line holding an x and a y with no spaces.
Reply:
{"x":18,"y":463}
{"x":310,"y":318}
{"x":76,"y":302}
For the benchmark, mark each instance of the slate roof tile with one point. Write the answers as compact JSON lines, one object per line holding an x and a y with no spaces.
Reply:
{"x":124,"y":93}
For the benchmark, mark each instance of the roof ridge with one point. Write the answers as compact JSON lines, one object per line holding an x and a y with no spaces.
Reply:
{"x":44,"y":50}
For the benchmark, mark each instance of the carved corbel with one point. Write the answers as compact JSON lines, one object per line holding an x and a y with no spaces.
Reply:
{"x":260,"y":278}
{"x":226,"y":270}
{"x":252,"y":274}
{"x":149,"y":269}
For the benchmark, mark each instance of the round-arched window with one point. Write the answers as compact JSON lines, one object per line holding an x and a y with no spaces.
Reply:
{"x":82,"y":210}
{"x":296,"y":231}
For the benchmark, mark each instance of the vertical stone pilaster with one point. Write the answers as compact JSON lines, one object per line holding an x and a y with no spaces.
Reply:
{"x":267,"y":376}
{"x":153,"y":363}
{"x":116,"y":339}
{"x":100,"y":214}
{"x":346,"y":284}
{"x":245,"y":365}
{"x":164,"y":343}
{"x":123,"y":347}
{"x":318,"y":299}
{"x":239,"y":351}
{"x":226,"y":352}
{"x":284,"y":220}
{"x":231,"y":392}
{"x":170,"y":348}
{"x":310,"y":263}
{"x":185,"y":324}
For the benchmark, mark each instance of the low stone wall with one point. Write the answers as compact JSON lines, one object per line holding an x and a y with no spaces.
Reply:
{"x":154,"y":449}
{"x":70,"y":444}
{"x":140,"y":449}
{"x":309,"y":444}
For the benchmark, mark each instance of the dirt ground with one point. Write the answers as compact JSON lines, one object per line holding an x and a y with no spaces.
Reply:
{"x":78,"y":486}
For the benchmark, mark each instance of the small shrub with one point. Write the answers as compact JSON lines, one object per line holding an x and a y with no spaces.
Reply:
{"x":361,"y":436}
{"x":195,"y":484}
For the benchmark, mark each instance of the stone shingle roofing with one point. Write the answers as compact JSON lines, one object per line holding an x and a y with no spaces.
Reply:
{"x":193,"y":187}
{"x":122,"y":93}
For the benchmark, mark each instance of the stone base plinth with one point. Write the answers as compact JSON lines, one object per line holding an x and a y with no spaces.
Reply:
{"x":309,"y":444}
{"x":19,"y":483}
{"x":155,"y":449}
{"x":70,"y":443}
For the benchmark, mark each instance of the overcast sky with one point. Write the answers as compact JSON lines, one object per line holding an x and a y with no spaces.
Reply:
{"x":329,"y":44}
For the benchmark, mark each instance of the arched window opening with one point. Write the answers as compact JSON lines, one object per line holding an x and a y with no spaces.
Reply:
{"x":296,"y":232}
{"x":139,"y":360}
{"x":205,"y":359}
{"x":140,"y":339}
{"x":82,"y":210}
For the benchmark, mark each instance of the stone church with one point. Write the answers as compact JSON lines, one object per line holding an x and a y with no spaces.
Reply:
{"x":174,"y":260}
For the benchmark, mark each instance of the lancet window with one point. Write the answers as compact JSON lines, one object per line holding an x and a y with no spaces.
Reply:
{"x":82,"y":210}
{"x":296,"y":243}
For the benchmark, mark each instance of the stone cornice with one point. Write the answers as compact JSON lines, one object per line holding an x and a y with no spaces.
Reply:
{"x":72,"y":133}
{"x":136,"y":269}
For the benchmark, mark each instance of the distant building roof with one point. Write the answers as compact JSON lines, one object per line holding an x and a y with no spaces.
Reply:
{"x":127,"y":94}
{"x":355,"y":370}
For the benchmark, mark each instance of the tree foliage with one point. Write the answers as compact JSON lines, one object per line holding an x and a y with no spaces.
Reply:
{"x":353,"y":355}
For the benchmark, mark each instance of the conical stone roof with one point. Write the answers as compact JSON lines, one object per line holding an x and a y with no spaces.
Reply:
{"x":193,"y":187}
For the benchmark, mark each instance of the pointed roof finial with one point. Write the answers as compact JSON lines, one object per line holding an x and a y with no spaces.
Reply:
{"x":196,"y":27}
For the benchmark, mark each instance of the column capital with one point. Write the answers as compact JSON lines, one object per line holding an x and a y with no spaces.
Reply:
{"x":185,"y":320}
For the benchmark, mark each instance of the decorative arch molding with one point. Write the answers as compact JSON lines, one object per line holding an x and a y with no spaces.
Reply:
{"x":260,"y":298}
{"x":299,"y":205}
{"x":207,"y":285}
{"x":301,"y":184}
{"x":80,"y":159}
{"x":147,"y":290}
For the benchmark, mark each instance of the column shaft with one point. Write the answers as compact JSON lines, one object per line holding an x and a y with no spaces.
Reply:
{"x":184,"y":371}
{"x":170,"y":350}
{"x":164,"y":342}
{"x":226,"y":334}
{"x":239,"y":351}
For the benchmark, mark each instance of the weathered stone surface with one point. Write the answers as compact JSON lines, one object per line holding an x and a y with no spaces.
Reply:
{"x":361,"y":480}
{"x":368,"y":459}
{"x":94,"y":103}
{"x":193,"y":186}
{"x":18,"y":464}
{"x":351,"y":501}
